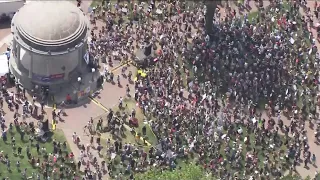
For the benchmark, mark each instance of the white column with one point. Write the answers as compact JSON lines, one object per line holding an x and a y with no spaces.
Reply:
{"x":14,"y":46}
{"x":66,"y":74}
{"x":80,"y":57}
{"x":31,"y":64}
{"x":48,"y":59}
{"x":18,"y":52}
{"x":17,"y":57}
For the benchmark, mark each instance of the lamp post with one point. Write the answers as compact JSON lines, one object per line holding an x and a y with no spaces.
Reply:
{"x":77,"y":92}
{"x":79,"y":82}
{"x":93,"y":70}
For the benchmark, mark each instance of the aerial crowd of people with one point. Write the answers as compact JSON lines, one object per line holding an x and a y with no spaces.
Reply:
{"x":25,"y":148}
{"x":241,"y":100}
{"x":204,"y":95}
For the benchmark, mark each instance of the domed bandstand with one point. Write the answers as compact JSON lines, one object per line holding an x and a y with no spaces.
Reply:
{"x":49,"y":43}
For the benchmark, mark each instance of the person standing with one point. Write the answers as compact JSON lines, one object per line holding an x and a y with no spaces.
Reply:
{"x":314,"y":160}
{"x":8,"y":165}
{"x":144,"y":130}
{"x":54,"y":115}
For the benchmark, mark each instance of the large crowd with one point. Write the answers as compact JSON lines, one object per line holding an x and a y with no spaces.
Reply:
{"x":238,"y":101}
{"x":28,"y":149}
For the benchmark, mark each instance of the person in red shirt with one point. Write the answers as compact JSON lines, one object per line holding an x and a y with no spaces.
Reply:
{"x":68,"y":99}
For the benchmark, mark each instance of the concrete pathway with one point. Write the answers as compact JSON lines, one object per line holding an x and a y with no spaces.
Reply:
{"x":5,"y":42}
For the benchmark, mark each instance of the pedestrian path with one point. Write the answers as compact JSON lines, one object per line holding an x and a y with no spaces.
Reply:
{"x":7,"y":40}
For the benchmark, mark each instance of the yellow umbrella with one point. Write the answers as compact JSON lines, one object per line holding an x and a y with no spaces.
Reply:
{"x":143,"y":74}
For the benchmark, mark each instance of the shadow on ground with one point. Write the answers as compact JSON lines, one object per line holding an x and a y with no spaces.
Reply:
{"x":4,"y":24}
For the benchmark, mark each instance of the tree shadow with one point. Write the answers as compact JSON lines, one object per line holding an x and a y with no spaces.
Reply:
{"x":5,"y":23}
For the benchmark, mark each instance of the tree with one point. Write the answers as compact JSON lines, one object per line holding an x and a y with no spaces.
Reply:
{"x":209,"y":15}
{"x":187,"y":172}
{"x":211,"y":7}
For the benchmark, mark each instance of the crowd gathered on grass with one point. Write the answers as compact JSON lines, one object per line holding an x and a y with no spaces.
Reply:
{"x":241,"y":102}
{"x":28,"y":149}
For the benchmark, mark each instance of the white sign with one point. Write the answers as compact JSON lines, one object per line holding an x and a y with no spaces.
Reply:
{"x":86,"y":57}
{"x":292,"y":40}
{"x":254,"y":120}
{"x":87,"y":90}
{"x":159,"y":11}
{"x":115,"y":53}
{"x":4,"y":68}
{"x":113,"y":156}
{"x":124,"y":10}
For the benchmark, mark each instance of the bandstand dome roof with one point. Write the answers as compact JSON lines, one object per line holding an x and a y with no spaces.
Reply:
{"x":50,"y":25}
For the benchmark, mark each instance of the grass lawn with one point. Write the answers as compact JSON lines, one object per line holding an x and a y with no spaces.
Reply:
{"x":261,"y":152}
{"x":131,"y":104}
{"x":96,"y":3}
{"x":12,"y":152}
{"x":253,"y":16}
{"x":129,"y":137}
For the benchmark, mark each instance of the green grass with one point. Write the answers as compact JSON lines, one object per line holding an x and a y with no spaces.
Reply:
{"x":96,"y":3}
{"x":188,"y":172}
{"x":8,"y":149}
{"x":253,"y":16}
{"x":261,"y":152}
{"x":131,"y":104}
{"x":127,"y":137}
